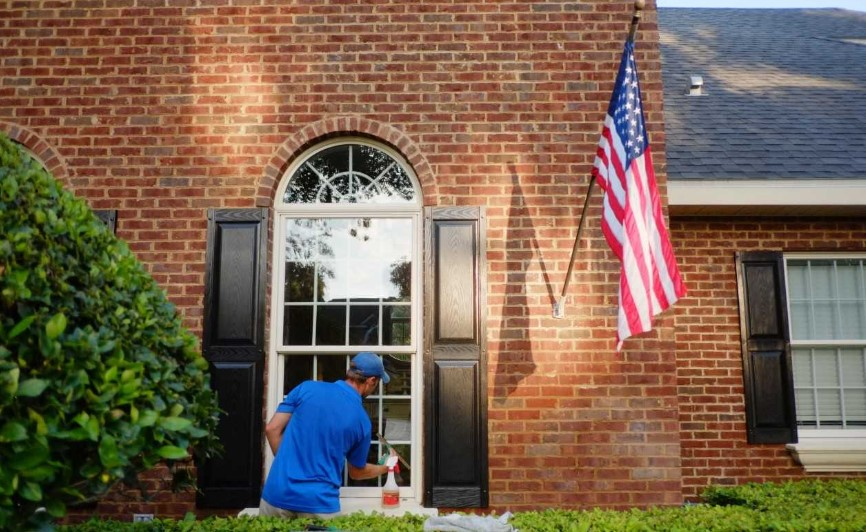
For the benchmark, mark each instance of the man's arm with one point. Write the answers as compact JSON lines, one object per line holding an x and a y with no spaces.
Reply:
{"x":368,"y":471}
{"x":372,"y":470}
{"x":275,"y":429}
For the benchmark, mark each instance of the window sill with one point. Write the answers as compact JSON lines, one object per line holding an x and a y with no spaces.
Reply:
{"x":828,"y":454}
{"x":367,"y":505}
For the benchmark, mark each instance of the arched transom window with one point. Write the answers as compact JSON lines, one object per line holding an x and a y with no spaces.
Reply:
{"x":350,"y":173}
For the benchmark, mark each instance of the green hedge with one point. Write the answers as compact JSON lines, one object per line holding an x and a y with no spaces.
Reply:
{"x":838,"y":505}
{"x":98,"y":378}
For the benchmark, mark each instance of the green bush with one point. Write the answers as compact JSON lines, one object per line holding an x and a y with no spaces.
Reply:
{"x":98,"y":379}
{"x":790,"y":495}
{"x":797,"y":506}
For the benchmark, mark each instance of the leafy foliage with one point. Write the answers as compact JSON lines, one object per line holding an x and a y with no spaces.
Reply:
{"x":98,"y":379}
{"x":805,"y":505}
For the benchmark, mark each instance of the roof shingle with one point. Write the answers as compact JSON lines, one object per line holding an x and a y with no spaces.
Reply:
{"x":785,"y":95}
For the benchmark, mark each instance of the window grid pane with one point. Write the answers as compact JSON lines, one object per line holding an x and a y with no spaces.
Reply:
{"x":830,"y":387}
{"x":827,"y":299}
{"x":349,"y":280}
{"x":389,"y":407}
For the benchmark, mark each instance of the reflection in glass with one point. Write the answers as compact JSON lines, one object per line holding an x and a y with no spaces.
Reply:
{"x":405,"y":475}
{"x":365,"y":238}
{"x":302,"y":235}
{"x":399,"y":283}
{"x":332,"y":281}
{"x":327,"y":177}
{"x":399,"y":368}
{"x":331,"y":368}
{"x":334,"y":238}
{"x":396,"y":325}
{"x":370,"y":161}
{"x":349,"y":260}
{"x":396,"y":422}
{"x":364,"y":325}
{"x":298,"y":325}
{"x":334,"y":160}
{"x":331,"y":325}
{"x":365,"y":280}
{"x":299,"y":281}
{"x":303,"y":186}
{"x":298,"y":368}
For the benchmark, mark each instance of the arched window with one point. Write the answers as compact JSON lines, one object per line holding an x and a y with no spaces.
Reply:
{"x":347,"y":279}
{"x":350,"y":173}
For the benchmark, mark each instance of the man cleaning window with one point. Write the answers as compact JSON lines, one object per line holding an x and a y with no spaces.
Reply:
{"x":317,"y":427}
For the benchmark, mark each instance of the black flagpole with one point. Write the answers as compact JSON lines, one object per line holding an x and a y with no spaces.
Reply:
{"x":559,"y":306}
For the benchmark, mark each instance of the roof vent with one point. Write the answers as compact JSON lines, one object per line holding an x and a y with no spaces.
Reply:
{"x":696,"y":86}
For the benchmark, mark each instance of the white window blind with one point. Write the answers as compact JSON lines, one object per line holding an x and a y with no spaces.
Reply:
{"x":827,"y":303}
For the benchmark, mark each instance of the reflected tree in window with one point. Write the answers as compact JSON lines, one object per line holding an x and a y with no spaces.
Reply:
{"x":401,"y":277}
{"x":350,"y":173}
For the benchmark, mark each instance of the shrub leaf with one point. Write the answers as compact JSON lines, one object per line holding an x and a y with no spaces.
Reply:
{"x":55,"y":326}
{"x":13,"y":431}
{"x":31,"y":387}
{"x":171,"y":452}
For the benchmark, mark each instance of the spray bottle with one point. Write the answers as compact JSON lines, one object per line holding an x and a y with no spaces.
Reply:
{"x":391,"y":491}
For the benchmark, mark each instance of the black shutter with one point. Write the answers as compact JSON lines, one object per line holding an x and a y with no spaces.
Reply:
{"x":455,"y":361}
{"x":233,"y":344}
{"x":767,"y":371}
{"x":108,"y":217}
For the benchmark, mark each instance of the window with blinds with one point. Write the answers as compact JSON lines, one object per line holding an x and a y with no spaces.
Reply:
{"x":827,"y":299}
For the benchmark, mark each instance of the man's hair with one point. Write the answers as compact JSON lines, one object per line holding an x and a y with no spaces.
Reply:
{"x":355,"y":375}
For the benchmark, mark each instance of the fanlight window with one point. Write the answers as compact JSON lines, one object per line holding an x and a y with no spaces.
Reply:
{"x":350,"y":173}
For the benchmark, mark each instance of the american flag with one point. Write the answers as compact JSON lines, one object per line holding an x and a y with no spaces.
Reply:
{"x":632,"y":220}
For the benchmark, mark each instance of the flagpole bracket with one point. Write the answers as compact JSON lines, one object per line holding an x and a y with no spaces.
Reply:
{"x":559,"y":308}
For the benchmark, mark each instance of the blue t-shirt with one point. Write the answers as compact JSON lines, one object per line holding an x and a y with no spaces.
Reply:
{"x":328,"y":425}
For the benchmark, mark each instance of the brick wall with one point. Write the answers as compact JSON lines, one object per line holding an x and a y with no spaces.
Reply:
{"x":154,"y":495}
{"x":161,"y":109}
{"x":709,"y":358}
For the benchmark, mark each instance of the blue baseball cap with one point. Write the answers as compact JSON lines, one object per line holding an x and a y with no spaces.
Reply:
{"x":369,"y":365}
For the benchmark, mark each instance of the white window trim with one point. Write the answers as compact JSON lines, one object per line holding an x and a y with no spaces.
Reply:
{"x":827,"y":450}
{"x":822,"y":450}
{"x":360,"y":498}
{"x":759,"y":191}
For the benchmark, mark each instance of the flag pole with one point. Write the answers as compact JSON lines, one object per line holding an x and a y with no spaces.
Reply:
{"x":559,"y":306}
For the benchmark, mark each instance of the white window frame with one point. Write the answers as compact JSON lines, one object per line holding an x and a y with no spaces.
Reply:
{"x":825,"y":449}
{"x":356,"y":497}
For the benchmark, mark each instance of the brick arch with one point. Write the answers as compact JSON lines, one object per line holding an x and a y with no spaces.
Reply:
{"x":316,"y":132}
{"x":41,"y":148}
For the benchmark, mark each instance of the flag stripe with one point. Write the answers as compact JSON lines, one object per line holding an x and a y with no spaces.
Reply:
{"x":632,"y":219}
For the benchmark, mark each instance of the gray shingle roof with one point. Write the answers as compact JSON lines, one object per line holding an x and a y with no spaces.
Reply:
{"x":785,"y":97}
